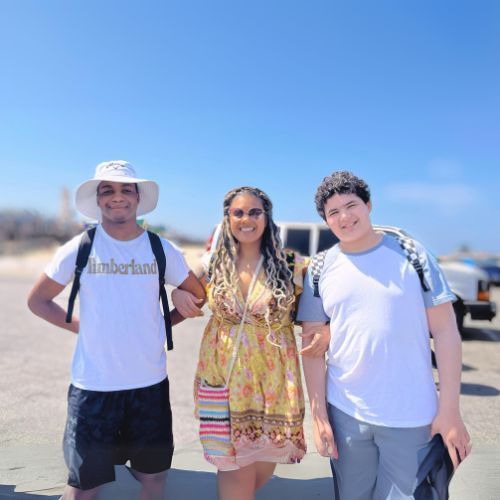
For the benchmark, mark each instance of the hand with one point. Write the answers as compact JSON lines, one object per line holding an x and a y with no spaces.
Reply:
{"x":455,"y":436}
{"x":186,"y":303}
{"x":319,"y":343}
{"x":323,"y":438}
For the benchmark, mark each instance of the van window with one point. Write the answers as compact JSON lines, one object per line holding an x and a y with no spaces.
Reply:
{"x":326,"y":239}
{"x":298,"y":240}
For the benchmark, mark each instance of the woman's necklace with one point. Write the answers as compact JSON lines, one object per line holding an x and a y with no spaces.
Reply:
{"x":246,"y":270}
{"x":247,"y":267}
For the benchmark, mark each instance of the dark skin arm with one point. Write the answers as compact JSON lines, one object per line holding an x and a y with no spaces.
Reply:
{"x":192,"y":285}
{"x":187,"y":303}
{"x":41,"y":302}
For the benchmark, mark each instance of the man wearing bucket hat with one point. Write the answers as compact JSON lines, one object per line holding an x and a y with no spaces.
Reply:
{"x":118,"y":400}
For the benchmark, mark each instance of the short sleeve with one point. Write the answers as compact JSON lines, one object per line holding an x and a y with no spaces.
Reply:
{"x":310,"y":307}
{"x":176,"y":269}
{"x":439,"y":290}
{"x":62,"y":266}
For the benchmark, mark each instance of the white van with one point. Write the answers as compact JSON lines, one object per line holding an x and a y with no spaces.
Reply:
{"x":306,"y":238}
{"x":469,"y":283}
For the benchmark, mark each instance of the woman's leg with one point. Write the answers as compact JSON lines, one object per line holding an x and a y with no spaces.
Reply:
{"x":243,"y":483}
{"x":238,"y":484}
{"x":264,"y":471}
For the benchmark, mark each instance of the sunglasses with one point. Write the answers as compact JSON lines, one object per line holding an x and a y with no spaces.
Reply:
{"x":253,"y":213}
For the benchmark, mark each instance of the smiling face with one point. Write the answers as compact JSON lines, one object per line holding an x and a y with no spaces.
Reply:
{"x":246,"y":226}
{"x":348,"y":217}
{"x":118,"y":201}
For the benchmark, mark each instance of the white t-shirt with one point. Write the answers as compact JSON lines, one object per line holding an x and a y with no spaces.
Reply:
{"x":122,"y":332}
{"x":379,"y":361}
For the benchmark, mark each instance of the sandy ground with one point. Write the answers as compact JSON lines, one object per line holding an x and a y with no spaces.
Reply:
{"x":34,"y":367}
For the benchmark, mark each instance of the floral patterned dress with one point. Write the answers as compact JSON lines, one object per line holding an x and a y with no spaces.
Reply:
{"x":266,"y":398}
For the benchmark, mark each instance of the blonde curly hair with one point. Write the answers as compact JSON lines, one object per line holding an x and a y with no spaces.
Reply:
{"x":222,"y":269}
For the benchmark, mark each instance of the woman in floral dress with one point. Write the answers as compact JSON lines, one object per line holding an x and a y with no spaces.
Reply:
{"x":266,"y":399}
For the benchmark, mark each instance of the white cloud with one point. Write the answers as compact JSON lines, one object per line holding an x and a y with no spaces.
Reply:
{"x":447,"y":198}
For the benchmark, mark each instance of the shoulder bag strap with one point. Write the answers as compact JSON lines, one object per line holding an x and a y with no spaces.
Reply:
{"x":238,"y":336}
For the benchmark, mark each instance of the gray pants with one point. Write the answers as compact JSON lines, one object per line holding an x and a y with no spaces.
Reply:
{"x":376,"y":462}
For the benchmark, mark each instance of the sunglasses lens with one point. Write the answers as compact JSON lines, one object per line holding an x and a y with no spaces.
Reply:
{"x":255,"y":213}
{"x":238,"y":213}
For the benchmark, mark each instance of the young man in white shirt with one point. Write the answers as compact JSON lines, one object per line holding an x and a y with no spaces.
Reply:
{"x":377,"y":408}
{"x":118,"y":400}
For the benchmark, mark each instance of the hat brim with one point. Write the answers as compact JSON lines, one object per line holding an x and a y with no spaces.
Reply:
{"x":86,"y":196}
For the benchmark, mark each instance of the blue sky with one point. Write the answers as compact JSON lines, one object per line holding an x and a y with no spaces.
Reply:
{"x":203,"y":96}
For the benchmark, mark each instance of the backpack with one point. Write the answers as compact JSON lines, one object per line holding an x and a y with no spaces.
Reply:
{"x":83,"y":257}
{"x":405,"y":242}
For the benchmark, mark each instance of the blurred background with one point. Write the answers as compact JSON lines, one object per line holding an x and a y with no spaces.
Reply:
{"x":205,"y":96}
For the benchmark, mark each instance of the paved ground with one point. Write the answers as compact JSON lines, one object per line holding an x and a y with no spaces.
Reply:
{"x":34,"y":372}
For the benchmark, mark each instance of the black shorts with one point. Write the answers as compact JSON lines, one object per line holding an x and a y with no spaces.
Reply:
{"x":104,"y":429}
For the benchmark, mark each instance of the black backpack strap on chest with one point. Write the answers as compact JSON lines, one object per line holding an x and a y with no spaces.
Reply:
{"x":159,"y":254}
{"x":410,"y":250}
{"x":82,"y":258}
{"x":316,"y":267}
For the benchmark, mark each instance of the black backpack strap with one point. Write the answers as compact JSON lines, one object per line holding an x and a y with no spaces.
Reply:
{"x":82,"y":258}
{"x":315,"y":269}
{"x":159,"y":254}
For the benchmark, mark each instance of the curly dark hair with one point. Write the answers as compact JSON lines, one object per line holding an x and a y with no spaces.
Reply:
{"x":341,"y":182}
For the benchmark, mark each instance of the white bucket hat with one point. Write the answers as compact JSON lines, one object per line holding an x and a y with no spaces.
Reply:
{"x":115,"y":171}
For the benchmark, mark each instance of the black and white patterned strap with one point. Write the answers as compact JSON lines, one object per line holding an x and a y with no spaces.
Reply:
{"x":410,"y":250}
{"x":316,"y":267}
